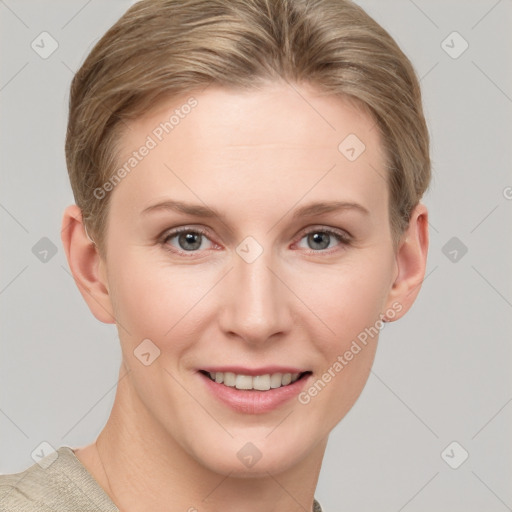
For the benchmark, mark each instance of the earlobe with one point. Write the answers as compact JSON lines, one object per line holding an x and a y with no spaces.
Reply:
{"x":411,"y":260}
{"x":86,"y":265}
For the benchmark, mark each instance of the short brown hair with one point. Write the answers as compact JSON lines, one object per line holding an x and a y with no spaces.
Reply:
{"x":160,"y":48}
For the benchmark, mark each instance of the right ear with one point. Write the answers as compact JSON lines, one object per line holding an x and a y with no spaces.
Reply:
{"x":86,"y":265}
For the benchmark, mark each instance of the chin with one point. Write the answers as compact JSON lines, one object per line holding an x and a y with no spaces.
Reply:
{"x":240,"y":459}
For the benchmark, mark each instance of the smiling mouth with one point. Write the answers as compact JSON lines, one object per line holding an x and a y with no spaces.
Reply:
{"x":256,"y":382}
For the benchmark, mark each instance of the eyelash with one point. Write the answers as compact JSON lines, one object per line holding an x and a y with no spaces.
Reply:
{"x":344,"y":239}
{"x":171,"y":234}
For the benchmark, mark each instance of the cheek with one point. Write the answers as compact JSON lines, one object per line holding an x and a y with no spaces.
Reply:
{"x":347,"y":300}
{"x":154,"y":300}
{"x":350,"y":304}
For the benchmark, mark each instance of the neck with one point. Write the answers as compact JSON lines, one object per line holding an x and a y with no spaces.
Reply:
{"x":142,"y":467}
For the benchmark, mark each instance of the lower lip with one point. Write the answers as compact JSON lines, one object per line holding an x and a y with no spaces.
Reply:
{"x":253,"y":401}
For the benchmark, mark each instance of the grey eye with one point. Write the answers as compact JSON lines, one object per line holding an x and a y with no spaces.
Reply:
{"x":190,"y":241}
{"x":318,"y":240}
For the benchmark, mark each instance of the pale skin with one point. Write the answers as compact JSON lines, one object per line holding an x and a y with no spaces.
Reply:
{"x":256,"y":157}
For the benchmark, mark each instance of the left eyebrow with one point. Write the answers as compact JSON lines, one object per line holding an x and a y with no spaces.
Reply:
{"x":313,"y":209}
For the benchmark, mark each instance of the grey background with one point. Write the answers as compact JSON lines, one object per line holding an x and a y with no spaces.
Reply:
{"x":441,"y":374}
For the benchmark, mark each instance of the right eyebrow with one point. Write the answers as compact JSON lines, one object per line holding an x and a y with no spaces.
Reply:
{"x":196,"y":210}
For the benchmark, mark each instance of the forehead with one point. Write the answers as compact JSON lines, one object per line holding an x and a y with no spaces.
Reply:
{"x":273,"y":145}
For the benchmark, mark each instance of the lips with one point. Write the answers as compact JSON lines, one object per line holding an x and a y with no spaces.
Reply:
{"x":254,"y":391}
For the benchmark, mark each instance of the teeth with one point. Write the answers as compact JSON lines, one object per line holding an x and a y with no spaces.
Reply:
{"x":259,"y":382}
{"x":276,"y":380}
{"x":243,"y":382}
{"x":229,"y":379}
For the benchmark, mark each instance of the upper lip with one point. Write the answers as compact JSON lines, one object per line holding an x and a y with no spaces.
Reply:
{"x":264,"y":370}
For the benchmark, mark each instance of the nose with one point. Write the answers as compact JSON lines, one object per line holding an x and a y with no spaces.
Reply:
{"x":256,"y":306}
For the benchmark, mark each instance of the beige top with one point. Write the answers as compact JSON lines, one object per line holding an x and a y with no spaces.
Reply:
{"x":57,"y":483}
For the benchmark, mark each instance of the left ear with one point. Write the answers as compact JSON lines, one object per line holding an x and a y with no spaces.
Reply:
{"x":411,"y":260}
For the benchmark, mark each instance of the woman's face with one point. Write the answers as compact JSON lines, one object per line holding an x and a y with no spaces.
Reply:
{"x":283,"y":264}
